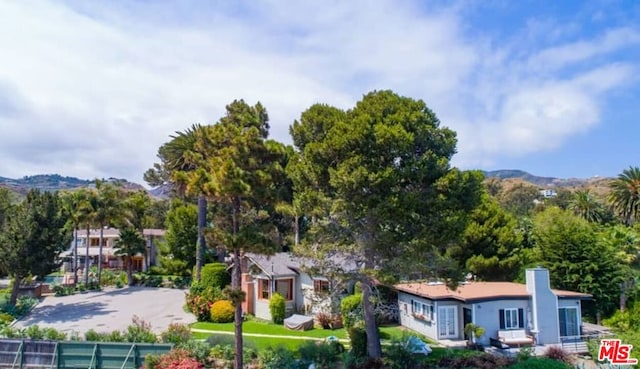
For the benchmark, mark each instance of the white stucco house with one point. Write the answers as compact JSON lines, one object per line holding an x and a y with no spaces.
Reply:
{"x":501,"y":308}
{"x":262,"y":275}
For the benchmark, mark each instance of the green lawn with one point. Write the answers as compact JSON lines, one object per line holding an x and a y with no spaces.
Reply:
{"x":261,"y":343}
{"x":255,"y":326}
{"x":387,"y":333}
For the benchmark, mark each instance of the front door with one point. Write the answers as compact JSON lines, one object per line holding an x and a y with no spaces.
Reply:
{"x":447,"y":322}
{"x":467,"y":317}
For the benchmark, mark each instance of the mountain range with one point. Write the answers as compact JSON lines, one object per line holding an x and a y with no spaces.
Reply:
{"x":54,"y":182}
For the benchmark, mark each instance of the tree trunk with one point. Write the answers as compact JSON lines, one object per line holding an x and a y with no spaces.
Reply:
{"x":236,"y":285}
{"x":100,"y":253}
{"x":373,"y":339}
{"x":129,"y":271}
{"x":14,"y":290}
{"x":86,"y":259}
{"x":74,"y":264}
{"x":296,"y":230}
{"x":202,"y":223}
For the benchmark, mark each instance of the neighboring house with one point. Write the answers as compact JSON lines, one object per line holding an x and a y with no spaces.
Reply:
{"x":548,"y":193}
{"x":262,"y":275}
{"x":440,"y":313}
{"x":141,"y":262}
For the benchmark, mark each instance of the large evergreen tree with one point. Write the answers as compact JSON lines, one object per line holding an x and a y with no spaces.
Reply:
{"x":32,"y":238}
{"x":491,"y":246}
{"x":392,"y":202}
{"x":576,"y":258}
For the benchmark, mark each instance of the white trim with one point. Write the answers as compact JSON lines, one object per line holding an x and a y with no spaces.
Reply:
{"x":442,"y":319}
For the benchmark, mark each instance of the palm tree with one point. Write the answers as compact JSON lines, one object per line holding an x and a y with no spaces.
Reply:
{"x":180,"y":159}
{"x":128,"y":245}
{"x":71,"y":204}
{"x":135,"y":214}
{"x":625,"y":194}
{"x":108,"y":211}
{"x":87,"y":208}
{"x":586,"y":206}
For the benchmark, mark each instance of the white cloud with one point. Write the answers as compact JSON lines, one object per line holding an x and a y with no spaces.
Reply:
{"x":90,"y":89}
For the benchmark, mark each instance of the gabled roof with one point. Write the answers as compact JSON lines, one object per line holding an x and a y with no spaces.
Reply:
{"x":277,"y":265}
{"x":285,"y":264}
{"x":478,"y":291}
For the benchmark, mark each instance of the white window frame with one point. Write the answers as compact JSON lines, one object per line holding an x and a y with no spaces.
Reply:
{"x":511,"y":318}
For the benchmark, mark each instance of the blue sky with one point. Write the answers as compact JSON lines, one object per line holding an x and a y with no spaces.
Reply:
{"x":93,"y":88}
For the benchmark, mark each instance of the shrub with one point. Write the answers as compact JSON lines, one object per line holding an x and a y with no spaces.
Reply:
{"x":398,"y":355}
{"x":115,"y":336}
{"x":6,"y":318}
{"x":540,"y":363}
{"x":177,"y":334}
{"x":276,"y":358}
{"x":34,"y":332}
{"x":480,"y":361}
{"x":221,"y":340}
{"x":324,"y":320}
{"x":525,"y":353}
{"x":174,"y":359}
{"x":358,"y":338}
{"x":215,"y":275}
{"x":54,"y":335}
{"x":558,"y":354}
{"x":139,"y":331}
{"x":322,"y":354}
{"x":200,"y":298}
{"x":350,"y":310}
{"x":222,"y":311}
{"x":277,"y":308}
{"x":93,"y":336}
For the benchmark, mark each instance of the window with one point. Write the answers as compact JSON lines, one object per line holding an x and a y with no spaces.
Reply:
{"x":421,"y":310}
{"x":511,"y":318}
{"x":263,"y":289}
{"x":320,"y":286}
{"x":285,"y":288}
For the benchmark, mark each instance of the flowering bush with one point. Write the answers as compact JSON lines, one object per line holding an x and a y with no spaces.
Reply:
{"x":222,"y":311}
{"x":174,"y":359}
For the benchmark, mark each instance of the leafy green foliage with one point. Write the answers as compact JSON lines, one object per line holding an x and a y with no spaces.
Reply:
{"x":129,"y":244}
{"x":177,"y":334}
{"x":175,"y":359}
{"x":178,"y":251}
{"x":324,"y":355}
{"x":540,"y":363}
{"x":577,"y":261}
{"x":276,"y":358}
{"x":358,"y":338}
{"x":140,"y":331}
{"x":222,"y":311}
{"x":491,"y":247}
{"x":215,"y":275}
{"x":351,"y":310}
{"x":277,"y":308}
{"x":625,"y":195}
{"x":379,"y":175}
{"x":32,"y":237}
{"x":520,"y":199}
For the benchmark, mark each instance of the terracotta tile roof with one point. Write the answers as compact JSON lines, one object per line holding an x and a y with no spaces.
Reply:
{"x":472,"y":291}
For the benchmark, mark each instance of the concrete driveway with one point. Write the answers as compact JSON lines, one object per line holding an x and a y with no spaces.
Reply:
{"x":110,"y":310}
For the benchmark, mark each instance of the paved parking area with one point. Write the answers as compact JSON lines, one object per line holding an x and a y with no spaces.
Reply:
{"x":110,"y":310}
